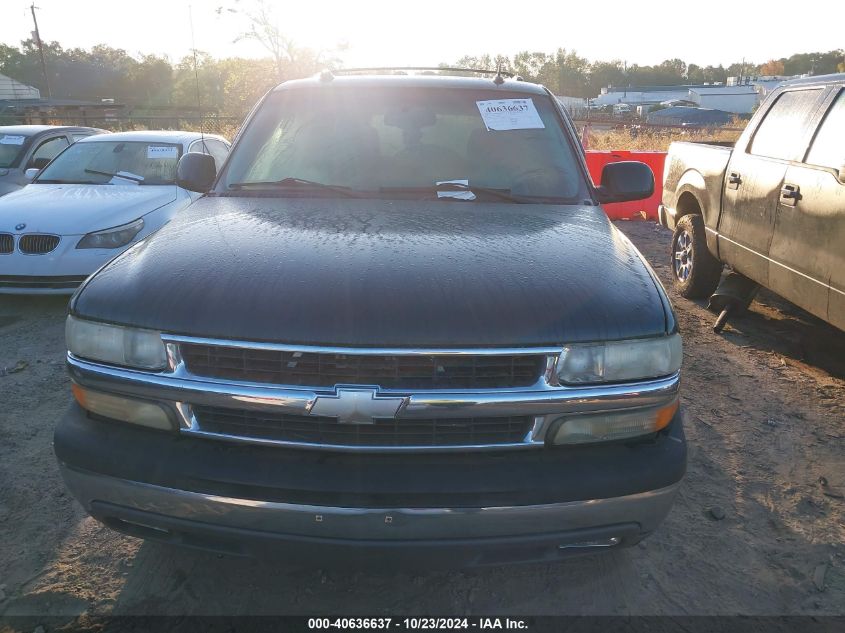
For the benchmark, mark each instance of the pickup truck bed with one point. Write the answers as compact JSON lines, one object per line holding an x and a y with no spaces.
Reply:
{"x":692,"y":181}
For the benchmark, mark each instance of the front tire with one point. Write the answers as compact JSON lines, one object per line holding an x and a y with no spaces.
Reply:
{"x":695,"y":271}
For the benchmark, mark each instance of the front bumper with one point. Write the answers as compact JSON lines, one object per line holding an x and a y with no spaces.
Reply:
{"x":59,"y":272}
{"x":428,"y":509}
{"x":462,"y":536}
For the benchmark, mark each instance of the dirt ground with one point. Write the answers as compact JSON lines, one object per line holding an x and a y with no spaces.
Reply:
{"x":765,"y":419}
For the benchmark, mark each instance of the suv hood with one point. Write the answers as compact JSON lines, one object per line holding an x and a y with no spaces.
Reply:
{"x":79,"y":209}
{"x":407,"y":273}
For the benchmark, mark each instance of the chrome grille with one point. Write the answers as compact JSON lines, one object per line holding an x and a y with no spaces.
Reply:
{"x":38,"y":244}
{"x":325,"y":431}
{"x":317,"y":369}
{"x":7,"y":243}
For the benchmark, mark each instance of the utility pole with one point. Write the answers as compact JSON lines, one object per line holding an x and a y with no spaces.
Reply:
{"x":40,"y":50}
{"x":625,"y":73}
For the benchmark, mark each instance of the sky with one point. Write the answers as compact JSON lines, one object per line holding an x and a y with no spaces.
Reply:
{"x":397,"y":33}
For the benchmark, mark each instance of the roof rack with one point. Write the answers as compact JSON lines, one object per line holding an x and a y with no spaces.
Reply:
{"x":499,"y":74}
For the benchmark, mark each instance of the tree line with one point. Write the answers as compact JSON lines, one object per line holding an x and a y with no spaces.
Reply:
{"x":567,"y":73}
{"x":230,"y":86}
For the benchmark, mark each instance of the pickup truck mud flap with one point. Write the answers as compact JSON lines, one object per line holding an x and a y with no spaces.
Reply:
{"x":733,"y":296}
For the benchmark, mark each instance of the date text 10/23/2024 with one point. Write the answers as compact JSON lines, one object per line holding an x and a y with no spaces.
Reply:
{"x":417,"y":623}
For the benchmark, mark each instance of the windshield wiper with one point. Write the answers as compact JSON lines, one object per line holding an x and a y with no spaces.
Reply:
{"x":53,"y":181}
{"x":296,"y":183}
{"x":504,"y":194}
{"x":121,"y":174}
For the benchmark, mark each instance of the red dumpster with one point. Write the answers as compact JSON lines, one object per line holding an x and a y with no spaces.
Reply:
{"x":638,"y":209}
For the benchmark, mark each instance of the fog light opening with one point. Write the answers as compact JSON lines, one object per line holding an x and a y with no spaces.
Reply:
{"x":609,"y":542}
{"x":142,"y":526}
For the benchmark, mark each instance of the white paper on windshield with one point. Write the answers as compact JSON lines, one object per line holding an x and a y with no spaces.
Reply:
{"x":162,"y":151}
{"x":458,"y":195}
{"x":8,"y":139}
{"x":510,"y":114}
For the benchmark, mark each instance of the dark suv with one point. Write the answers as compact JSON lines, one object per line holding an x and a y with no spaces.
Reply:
{"x":398,"y":322}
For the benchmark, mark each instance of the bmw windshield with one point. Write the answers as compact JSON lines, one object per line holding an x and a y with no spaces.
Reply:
{"x":114,"y":163}
{"x":407,"y":142}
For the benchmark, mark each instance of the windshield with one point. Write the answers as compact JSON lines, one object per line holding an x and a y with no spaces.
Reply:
{"x":12,"y":147}
{"x":389,"y":140}
{"x":114,"y":163}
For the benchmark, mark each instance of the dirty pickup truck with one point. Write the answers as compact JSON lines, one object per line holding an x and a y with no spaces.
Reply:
{"x":772,"y":207}
{"x":397,"y":326}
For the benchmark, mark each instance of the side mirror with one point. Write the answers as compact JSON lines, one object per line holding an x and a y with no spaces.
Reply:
{"x":196,"y":172}
{"x":31,"y":173}
{"x":39,"y":163}
{"x":625,"y":181}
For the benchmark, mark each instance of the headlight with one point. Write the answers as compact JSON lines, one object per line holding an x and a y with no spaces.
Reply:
{"x":607,"y":427}
{"x":129,"y":410}
{"x":114,"y":237}
{"x":115,"y":344}
{"x":617,"y":361}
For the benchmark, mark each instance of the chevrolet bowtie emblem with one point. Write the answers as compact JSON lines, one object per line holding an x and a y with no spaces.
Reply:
{"x":357,"y":406}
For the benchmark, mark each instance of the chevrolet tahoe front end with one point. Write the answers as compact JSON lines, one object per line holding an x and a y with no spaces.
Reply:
{"x":346,"y":371}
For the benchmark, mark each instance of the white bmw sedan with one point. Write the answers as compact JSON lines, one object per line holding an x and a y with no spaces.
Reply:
{"x":93,"y":201}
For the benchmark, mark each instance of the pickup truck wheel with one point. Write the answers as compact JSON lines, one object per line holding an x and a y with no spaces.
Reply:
{"x":694,"y":268}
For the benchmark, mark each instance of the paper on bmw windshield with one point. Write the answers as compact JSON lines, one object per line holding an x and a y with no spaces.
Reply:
{"x":510,"y":114}
{"x":458,"y":195}
{"x":162,"y":151}
{"x":8,"y":139}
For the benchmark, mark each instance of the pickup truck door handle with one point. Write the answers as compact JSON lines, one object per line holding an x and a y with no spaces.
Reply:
{"x":790,"y":194}
{"x":734,"y":180}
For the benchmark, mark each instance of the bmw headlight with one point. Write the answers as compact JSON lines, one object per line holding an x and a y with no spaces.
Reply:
{"x":114,"y":237}
{"x":115,"y":344}
{"x":619,"y":361}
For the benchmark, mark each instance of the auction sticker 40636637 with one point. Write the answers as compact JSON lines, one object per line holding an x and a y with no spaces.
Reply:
{"x":510,"y":114}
